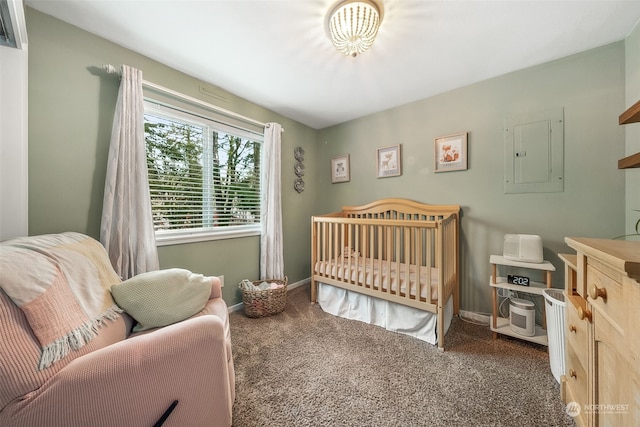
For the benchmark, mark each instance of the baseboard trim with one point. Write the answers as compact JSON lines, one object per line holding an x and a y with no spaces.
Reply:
{"x":468,"y":315}
{"x":484,"y":319}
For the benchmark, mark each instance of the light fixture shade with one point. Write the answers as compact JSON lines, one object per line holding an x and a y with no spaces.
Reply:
{"x":353,"y":25}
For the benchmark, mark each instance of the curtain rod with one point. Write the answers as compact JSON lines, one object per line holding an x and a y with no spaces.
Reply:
{"x":113,"y":70}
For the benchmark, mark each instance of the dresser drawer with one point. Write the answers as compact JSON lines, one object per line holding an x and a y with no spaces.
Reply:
{"x":576,"y":333}
{"x":580,"y":418}
{"x":576,"y":378}
{"x":605,"y":295}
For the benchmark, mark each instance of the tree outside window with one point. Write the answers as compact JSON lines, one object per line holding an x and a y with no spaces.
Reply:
{"x":202,"y":178}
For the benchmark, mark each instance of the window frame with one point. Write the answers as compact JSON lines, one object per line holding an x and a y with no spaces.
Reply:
{"x":216,"y":121}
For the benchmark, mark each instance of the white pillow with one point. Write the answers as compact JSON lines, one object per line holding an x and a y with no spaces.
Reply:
{"x":160,"y":298}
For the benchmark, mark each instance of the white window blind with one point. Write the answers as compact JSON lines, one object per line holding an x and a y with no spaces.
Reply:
{"x":204,"y":176}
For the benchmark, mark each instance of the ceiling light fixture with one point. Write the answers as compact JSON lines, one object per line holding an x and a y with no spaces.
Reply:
{"x":353,"y":25}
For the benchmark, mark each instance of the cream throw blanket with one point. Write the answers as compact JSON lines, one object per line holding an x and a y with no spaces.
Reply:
{"x":61,"y":282}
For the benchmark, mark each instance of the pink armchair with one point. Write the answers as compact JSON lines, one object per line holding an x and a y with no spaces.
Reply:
{"x":117,"y":378}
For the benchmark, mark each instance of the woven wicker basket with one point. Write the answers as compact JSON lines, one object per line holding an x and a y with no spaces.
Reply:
{"x":267,"y":302}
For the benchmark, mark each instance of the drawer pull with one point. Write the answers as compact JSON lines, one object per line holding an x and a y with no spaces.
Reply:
{"x":595,"y":292}
{"x":572,"y":328}
{"x":573,"y":373}
{"x":584,"y":314}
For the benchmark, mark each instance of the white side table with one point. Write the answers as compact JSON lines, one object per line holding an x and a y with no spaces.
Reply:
{"x":500,"y":325}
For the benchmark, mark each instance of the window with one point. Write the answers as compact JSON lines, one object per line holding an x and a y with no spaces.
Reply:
{"x":204,"y":176}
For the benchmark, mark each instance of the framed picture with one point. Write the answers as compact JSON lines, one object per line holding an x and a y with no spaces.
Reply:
{"x":451,"y":153}
{"x":340,"y":169}
{"x":389,"y":161}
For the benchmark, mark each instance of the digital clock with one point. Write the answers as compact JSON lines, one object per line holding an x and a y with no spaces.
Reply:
{"x":517,"y":280}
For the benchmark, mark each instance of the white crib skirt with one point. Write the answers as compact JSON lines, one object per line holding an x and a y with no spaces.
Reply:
{"x":391,"y":316}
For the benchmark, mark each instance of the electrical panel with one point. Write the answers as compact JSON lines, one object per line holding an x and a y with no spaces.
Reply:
{"x":534,"y":152}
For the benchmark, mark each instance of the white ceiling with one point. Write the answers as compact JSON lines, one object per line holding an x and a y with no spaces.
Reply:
{"x":275,"y":53}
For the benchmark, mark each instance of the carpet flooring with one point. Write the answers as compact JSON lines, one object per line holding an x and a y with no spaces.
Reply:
{"x":304,"y":367}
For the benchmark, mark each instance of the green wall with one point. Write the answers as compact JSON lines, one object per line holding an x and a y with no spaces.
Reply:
{"x":71,"y":105}
{"x":632,"y":131}
{"x":590,"y":88}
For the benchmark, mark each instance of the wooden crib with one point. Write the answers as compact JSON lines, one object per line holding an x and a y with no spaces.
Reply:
{"x":397,"y":250}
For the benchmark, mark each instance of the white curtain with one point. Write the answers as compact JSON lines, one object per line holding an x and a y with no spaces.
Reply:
{"x":271,"y":255}
{"x":127,"y":225}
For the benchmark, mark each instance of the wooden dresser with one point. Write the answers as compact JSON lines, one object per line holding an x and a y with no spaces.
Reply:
{"x":601,"y":385}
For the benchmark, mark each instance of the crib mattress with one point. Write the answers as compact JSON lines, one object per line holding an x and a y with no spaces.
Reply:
{"x":373,"y":273}
{"x":389,"y":315}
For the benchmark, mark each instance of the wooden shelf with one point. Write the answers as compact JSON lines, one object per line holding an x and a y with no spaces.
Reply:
{"x":631,"y":115}
{"x":632,"y":161}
